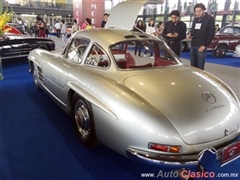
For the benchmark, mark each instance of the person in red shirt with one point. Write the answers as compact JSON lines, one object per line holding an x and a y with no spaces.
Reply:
{"x":40,"y":24}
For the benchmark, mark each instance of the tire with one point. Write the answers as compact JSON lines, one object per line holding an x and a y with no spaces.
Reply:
{"x":43,"y":47}
{"x":220,"y":51}
{"x":183,"y":46}
{"x":83,"y":120}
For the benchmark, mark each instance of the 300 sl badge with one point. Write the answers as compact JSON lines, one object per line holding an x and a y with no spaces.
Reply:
{"x":214,"y":108}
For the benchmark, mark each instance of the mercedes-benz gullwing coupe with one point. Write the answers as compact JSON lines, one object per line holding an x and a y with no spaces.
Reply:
{"x":151,"y":108}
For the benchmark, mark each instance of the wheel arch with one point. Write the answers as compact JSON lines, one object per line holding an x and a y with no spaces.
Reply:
{"x":44,"y":46}
{"x":71,"y":93}
{"x":31,"y":66}
{"x":222,"y":44}
{"x":74,"y":89}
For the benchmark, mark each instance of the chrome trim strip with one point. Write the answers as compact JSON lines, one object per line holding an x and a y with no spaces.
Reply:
{"x":161,"y":161}
{"x":176,"y":161}
{"x":16,"y":56}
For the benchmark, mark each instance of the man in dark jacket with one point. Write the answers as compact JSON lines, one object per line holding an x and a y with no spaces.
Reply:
{"x":203,"y":31}
{"x":105,"y":20}
{"x":174,"y":31}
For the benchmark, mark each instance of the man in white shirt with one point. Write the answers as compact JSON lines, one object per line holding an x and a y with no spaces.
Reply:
{"x":64,"y":33}
{"x":58,"y":28}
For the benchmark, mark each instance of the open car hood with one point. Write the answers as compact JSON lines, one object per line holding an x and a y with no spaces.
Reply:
{"x":183,"y":96}
{"x":119,"y":19}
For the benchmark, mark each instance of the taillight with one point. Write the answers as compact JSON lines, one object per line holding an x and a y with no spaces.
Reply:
{"x":175,"y":149}
{"x":165,"y":148}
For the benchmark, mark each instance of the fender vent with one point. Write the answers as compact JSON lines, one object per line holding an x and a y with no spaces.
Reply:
{"x":40,"y":74}
{"x":143,"y":36}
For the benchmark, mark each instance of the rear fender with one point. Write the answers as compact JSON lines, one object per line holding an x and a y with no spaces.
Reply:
{"x":225,"y":43}
{"x":90,"y":98}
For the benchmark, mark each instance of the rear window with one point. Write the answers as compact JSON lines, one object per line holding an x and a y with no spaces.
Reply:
{"x":143,"y":55}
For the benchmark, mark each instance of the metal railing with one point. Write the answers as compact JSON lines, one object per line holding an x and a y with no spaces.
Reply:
{"x":42,"y":5}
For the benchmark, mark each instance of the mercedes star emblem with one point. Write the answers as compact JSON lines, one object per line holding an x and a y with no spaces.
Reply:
{"x":209,"y":97}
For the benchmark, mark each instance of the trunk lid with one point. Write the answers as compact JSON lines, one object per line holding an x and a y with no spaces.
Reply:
{"x":199,"y":108}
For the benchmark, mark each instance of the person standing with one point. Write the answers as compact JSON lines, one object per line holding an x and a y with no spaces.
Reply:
{"x":41,"y":32}
{"x":46,"y":25}
{"x":140,"y":27}
{"x":159,"y":30}
{"x":203,"y":31}
{"x":75,"y":27}
{"x":150,"y":30}
{"x":64,"y":33}
{"x":87,"y":24}
{"x":36,"y":29}
{"x":58,"y":28}
{"x":174,"y":32}
{"x":105,"y":20}
{"x":217,"y":28}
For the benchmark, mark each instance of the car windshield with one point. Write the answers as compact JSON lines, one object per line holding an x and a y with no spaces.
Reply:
{"x":230,"y":30}
{"x":143,"y":55}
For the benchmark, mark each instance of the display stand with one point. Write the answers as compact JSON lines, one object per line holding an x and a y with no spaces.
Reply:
{"x":1,"y":71}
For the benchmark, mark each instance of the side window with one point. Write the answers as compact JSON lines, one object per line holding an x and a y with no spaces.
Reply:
{"x":236,"y":31}
{"x":228,"y":30}
{"x":97,"y":57}
{"x":77,"y":49}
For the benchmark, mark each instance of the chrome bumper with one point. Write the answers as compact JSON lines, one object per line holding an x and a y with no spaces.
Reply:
{"x":204,"y":159}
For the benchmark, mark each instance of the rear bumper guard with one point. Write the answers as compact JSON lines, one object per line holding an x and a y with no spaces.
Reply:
{"x":204,"y":159}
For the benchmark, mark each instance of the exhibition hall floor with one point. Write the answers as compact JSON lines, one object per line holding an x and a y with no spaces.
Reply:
{"x":38,"y":141}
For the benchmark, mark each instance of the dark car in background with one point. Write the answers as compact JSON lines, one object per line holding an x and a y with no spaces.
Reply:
{"x":15,"y":46}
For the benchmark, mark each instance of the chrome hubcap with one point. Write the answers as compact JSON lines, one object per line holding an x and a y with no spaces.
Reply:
{"x":82,"y":118}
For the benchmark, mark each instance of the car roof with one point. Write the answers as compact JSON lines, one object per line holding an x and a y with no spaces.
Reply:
{"x":235,"y":25}
{"x":111,"y":35}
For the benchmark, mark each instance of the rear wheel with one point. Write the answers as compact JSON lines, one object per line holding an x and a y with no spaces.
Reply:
{"x":220,"y":51}
{"x":83,"y":120}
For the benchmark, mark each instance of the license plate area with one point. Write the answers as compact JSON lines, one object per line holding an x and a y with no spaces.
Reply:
{"x":230,"y":153}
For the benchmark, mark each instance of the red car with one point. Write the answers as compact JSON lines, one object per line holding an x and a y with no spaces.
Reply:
{"x":225,"y":41}
{"x":13,"y":30}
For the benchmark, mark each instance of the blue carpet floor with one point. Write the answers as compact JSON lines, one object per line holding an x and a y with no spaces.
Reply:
{"x":38,"y":141}
{"x":228,"y":60}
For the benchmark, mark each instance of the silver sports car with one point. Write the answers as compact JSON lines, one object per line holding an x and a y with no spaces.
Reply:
{"x":129,"y":91}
